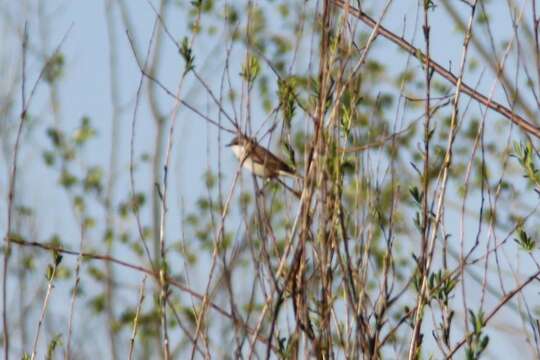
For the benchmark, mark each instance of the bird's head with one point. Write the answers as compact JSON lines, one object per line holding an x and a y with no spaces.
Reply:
{"x":238,"y":140}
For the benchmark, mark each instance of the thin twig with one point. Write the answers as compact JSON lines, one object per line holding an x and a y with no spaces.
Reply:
{"x":50,"y":281}
{"x":136,"y":319}
{"x":25,"y":103}
{"x":75,"y":290}
{"x":132,"y":141}
{"x":496,"y":309}
{"x":154,"y":274}
{"x":524,"y":124}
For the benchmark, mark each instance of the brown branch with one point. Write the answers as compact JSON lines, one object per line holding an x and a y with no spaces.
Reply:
{"x":132,"y":142}
{"x":136,"y":319}
{"x":425,"y":256}
{"x":496,"y":309}
{"x":154,"y":274}
{"x":115,"y":82}
{"x":524,"y":124}
{"x":25,"y":103}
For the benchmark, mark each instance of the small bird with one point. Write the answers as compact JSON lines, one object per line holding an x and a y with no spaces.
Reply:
{"x":259,"y":160}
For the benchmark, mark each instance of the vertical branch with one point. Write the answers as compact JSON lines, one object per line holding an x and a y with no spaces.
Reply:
{"x":217,"y":244}
{"x":136,"y":319}
{"x":75,"y":288}
{"x":162,"y":159}
{"x":159,"y":200}
{"x":51,"y":274}
{"x":11,"y":196}
{"x":142,"y":68}
{"x":428,"y":250}
{"x":427,"y":135}
{"x":163,"y":266}
{"x":111,"y":181}
{"x":536,"y":22}
{"x":154,"y":61}
{"x":320,"y":345}
{"x":422,"y":261}
{"x":26,"y":100}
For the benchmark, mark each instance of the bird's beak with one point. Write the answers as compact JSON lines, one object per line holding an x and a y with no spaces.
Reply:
{"x":230,"y":144}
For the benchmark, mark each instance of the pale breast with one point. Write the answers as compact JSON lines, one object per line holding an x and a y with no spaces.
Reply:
{"x":256,"y":168}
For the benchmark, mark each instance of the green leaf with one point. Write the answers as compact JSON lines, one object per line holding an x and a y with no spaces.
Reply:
{"x":187,"y":54}
{"x":251,"y":68}
{"x":416,"y":194}
{"x":79,"y":204}
{"x":98,"y":303}
{"x":56,"y":137}
{"x":54,"y":68}
{"x":67,"y":180}
{"x":525,"y":241}
{"x":49,"y":158}
{"x":287,"y":89}
{"x":57,"y":258}
{"x":85,"y":132}
{"x":49,"y":273}
{"x":210,"y":179}
{"x":93,"y":179}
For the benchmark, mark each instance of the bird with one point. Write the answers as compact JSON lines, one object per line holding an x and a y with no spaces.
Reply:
{"x":259,"y":160}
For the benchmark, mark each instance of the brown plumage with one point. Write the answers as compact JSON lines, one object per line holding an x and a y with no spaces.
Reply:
{"x":259,"y":160}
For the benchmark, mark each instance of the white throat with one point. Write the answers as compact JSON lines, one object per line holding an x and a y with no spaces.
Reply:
{"x":256,"y":168}
{"x":238,"y":151}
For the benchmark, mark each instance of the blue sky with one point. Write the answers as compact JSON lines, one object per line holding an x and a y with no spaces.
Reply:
{"x":84,"y":90}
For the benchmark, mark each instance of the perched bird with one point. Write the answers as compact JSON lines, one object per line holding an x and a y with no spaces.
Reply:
{"x":259,"y":160}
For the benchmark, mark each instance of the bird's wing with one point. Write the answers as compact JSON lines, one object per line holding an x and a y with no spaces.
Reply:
{"x":264,"y":156}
